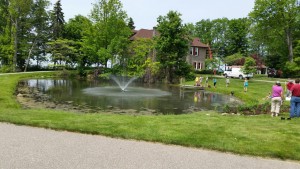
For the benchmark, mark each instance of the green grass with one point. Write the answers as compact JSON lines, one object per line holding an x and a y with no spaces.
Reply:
{"x":252,"y":135}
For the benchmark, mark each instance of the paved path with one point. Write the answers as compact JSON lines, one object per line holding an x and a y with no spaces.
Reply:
{"x":36,"y":148}
{"x":2,"y":74}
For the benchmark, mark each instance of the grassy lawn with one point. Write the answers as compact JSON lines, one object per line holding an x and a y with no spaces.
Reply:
{"x":252,"y":135}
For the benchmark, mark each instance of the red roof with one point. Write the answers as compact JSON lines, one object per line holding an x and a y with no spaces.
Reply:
{"x":143,"y":33}
{"x":196,"y":42}
{"x":146,"y":33}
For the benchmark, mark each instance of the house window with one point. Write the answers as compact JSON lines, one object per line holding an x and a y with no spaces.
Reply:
{"x":196,"y":51}
{"x":195,"y":65}
{"x":199,"y":65}
{"x":191,"y":50}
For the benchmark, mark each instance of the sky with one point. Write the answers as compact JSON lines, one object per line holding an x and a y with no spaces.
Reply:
{"x":145,"y":12}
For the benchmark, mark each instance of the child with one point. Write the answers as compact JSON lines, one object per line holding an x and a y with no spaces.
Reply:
{"x":215,"y":82}
{"x":227,"y":82}
{"x":245,"y":85}
{"x":206,"y":81}
{"x":196,"y":81}
{"x":269,"y":96}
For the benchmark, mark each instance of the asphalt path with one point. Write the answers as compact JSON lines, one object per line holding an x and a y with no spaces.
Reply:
{"x":1,"y":74}
{"x":24,"y":147}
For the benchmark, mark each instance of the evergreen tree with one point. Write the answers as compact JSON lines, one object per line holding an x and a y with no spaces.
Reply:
{"x":131,"y":24}
{"x":58,"y":21}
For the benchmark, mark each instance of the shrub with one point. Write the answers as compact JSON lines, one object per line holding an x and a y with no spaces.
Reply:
{"x":6,"y":69}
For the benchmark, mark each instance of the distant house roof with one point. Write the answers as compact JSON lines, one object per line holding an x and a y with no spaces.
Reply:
{"x":143,"y":33}
{"x":197,"y":43}
{"x":150,"y":33}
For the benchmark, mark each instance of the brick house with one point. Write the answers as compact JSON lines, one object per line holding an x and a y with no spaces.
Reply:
{"x":197,"y":54}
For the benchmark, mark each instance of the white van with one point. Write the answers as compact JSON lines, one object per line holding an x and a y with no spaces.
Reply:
{"x":236,"y":72}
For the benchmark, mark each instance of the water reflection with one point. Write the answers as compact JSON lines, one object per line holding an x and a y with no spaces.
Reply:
{"x":155,"y":98}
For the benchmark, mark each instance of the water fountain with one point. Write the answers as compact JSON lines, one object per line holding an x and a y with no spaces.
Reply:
{"x":123,"y":89}
{"x":124,"y":84}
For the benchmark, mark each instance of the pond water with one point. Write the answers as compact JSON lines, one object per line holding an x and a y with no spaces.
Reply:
{"x":105,"y":95}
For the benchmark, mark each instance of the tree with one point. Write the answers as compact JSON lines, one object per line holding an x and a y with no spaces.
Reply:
{"x":235,"y":59}
{"x":172,"y":45}
{"x":19,"y":10}
{"x":6,"y":44}
{"x":218,"y":31}
{"x":293,"y":68}
{"x":142,"y":60}
{"x":249,"y":66}
{"x":57,"y":21}
{"x":236,"y":36}
{"x":203,"y":29}
{"x":63,"y":51}
{"x":131,"y":24}
{"x":75,"y":29}
{"x":276,"y":21}
{"x":39,"y":34}
{"x":108,"y":37}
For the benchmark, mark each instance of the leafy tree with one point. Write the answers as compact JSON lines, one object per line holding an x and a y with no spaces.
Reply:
{"x":108,"y":37}
{"x":211,"y":63}
{"x":235,"y":59}
{"x":203,"y":29}
{"x":39,"y":34}
{"x":141,"y":62}
{"x":6,"y":44}
{"x":191,"y":29}
{"x":236,"y":36}
{"x":63,"y":51}
{"x":213,"y":33}
{"x":293,"y":68}
{"x":172,"y":45}
{"x":218,"y":31}
{"x":75,"y":29}
{"x":19,"y":10}
{"x":276,"y":21}
{"x":249,"y":66}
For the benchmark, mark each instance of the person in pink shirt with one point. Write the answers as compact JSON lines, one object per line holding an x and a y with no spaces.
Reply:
{"x":276,"y":99}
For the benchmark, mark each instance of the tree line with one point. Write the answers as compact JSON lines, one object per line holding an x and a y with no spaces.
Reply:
{"x":31,"y":35}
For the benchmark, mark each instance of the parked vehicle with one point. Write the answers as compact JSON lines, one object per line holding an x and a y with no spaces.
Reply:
{"x":236,"y":72}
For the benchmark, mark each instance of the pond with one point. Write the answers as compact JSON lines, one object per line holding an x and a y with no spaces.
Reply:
{"x":139,"y":98}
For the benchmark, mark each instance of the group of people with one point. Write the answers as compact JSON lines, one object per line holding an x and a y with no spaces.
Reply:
{"x":199,"y":80}
{"x":277,"y":97}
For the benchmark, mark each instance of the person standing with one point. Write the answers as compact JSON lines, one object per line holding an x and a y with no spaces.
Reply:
{"x":245,"y":85}
{"x":289,"y":85}
{"x":206,"y":81}
{"x":215,"y":82}
{"x":197,"y":81}
{"x":227,"y":81}
{"x":276,"y":100}
{"x":295,"y":100}
{"x":200,"y":81}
